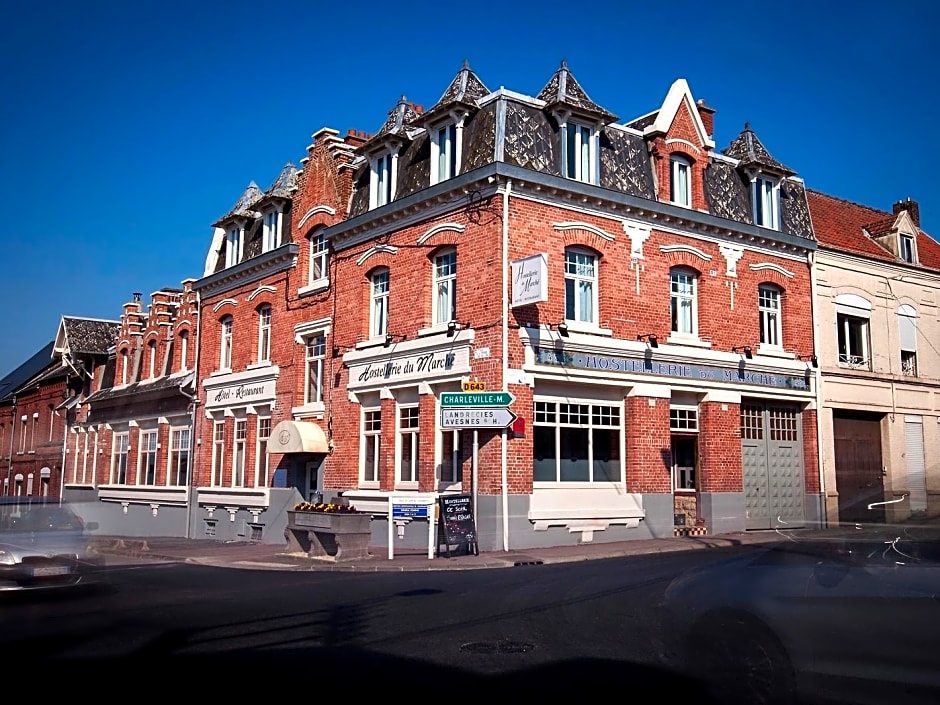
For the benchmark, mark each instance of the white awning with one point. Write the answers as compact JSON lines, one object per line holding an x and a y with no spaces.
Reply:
{"x":297,"y":437}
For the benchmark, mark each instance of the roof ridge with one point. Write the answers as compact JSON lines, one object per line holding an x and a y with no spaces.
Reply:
{"x":884,"y":213}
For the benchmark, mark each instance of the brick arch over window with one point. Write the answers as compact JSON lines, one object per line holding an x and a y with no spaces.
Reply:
{"x":442,"y":234}
{"x":378,"y":260}
{"x":687,"y":257}
{"x":585,"y":236}
{"x":778,"y":279}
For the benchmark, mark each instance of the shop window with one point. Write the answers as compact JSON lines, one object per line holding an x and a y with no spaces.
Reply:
{"x":577,"y":442}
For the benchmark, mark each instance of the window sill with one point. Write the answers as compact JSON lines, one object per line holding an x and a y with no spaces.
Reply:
{"x":450,"y":486}
{"x":258,"y":365}
{"x":774,"y":351}
{"x":410,"y":486}
{"x":317,"y":408}
{"x":588,"y":328}
{"x":368,"y":485}
{"x":371,"y":343}
{"x":436,"y":329}
{"x":679,"y":339}
{"x":223,"y":371}
{"x":314,"y":287}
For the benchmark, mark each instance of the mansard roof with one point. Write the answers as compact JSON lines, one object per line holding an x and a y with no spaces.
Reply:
{"x":243,"y":207}
{"x":750,"y":151}
{"x":563,"y":90}
{"x":463,"y":92}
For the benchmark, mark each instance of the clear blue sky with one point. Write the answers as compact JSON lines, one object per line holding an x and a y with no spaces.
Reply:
{"x":127,"y":128}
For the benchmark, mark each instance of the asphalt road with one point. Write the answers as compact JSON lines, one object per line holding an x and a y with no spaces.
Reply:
{"x":566,"y":629}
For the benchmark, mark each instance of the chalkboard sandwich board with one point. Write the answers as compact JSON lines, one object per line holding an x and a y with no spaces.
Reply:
{"x":457,"y":527}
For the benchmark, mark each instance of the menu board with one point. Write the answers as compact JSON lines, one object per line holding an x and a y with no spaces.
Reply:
{"x":457,"y":526}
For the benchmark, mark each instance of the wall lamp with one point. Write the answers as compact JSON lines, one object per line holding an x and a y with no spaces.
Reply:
{"x":562,"y":329}
{"x":813,"y":360}
{"x":651,"y":338}
{"x":389,"y":339}
{"x":744,"y":350}
{"x":454,"y":326}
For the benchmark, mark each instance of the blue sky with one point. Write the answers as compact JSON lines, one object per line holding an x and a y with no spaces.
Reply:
{"x":127,"y":128}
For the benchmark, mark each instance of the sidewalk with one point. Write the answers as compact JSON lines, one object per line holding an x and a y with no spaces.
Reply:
{"x":261,"y":556}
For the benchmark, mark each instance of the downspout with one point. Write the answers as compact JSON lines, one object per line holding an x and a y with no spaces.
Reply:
{"x":811,"y":260}
{"x":193,"y":405}
{"x":504,"y":434}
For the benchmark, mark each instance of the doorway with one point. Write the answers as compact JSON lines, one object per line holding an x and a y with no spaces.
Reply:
{"x":306,"y":477}
{"x":684,"y":481}
{"x":859,"y":468}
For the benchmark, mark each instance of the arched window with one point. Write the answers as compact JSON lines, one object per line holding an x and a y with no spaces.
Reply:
{"x":580,"y":285}
{"x":683,"y":301}
{"x":771,"y":324}
{"x":264,"y":333}
{"x":907,"y":335}
{"x":184,"y":350}
{"x":444,"y":302}
{"x":379,"y":285}
{"x":680,"y":180}
{"x":225,"y":346}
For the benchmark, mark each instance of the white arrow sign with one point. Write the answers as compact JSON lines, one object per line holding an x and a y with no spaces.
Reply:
{"x":496,"y":417}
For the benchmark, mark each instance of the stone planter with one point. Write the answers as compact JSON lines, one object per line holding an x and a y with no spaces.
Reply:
{"x":329,"y":535}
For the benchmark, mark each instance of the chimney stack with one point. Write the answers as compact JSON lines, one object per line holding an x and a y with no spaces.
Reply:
{"x":708,"y":117}
{"x":911,"y":206}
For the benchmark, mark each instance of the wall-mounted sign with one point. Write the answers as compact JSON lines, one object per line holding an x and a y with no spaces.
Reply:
{"x":417,"y":366}
{"x":242,"y":393}
{"x":529,"y":280}
{"x":619,"y":364}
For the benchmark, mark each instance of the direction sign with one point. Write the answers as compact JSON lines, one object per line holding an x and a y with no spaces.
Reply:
{"x":476,"y":399}
{"x":500,"y":417}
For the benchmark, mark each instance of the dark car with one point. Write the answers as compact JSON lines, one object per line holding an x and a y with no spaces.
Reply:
{"x":847,"y":616}
{"x":43,"y":544}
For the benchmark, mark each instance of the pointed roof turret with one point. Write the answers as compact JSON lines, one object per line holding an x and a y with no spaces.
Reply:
{"x":462,"y":93}
{"x":284,"y":184}
{"x":749,"y":151}
{"x":399,"y":123}
{"x":243,"y":207}
{"x":563,"y":90}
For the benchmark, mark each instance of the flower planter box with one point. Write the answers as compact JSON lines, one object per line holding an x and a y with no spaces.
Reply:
{"x":329,"y":535}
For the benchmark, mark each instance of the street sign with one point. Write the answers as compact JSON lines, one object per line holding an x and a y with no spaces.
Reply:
{"x":476,"y":399}
{"x":473,"y":386}
{"x":499,"y":417}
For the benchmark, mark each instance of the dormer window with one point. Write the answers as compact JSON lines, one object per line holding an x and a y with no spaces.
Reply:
{"x":444,"y":155}
{"x":233,"y":246}
{"x":271,"y":237}
{"x":383,"y":179}
{"x":680,"y":181}
{"x":906,"y":247}
{"x":766,"y":199}
{"x":580,"y":152}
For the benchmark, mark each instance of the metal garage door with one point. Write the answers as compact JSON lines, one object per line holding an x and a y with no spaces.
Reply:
{"x":772,"y":461}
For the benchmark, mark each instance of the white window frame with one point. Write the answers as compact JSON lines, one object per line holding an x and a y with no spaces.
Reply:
{"x":233,"y":245}
{"x":444,"y":297}
{"x":680,"y":165}
{"x":770,"y":309}
{"x":848,"y":356}
{"x":314,"y":367}
{"x":239,"y":452}
{"x":452,"y":462}
{"x":225,"y":344}
{"x":383,"y":180}
{"x":318,"y":267}
{"x":370,"y":425}
{"x":218,"y":452}
{"x":33,"y":428}
{"x":907,"y":247}
{"x":379,"y":293}
{"x":271,"y":230}
{"x":24,"y":428}
{"x":147,"y":444}
{"x":184,"y":350}
{"x":120,"y":448}
{"x":907,"y":336}
{"x":75,"y":459}
{"x":124,"y":361}
{"x":152,"y":354}
{"x":765,"y":197}
{"x":51,"y":422}
{"x":556,"y":414}
{"x":178,"y":464}
{"x":85,"y":457}
{"x":579,"y":151}
{"x":408,"y":414}
{"x":581,"y":268}
{"x":445,"y":163}
{"x":264,"y":333}
{"x":678,"y":294}
{"x":262,"y":463}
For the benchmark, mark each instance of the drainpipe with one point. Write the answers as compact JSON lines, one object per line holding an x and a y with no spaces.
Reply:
{"x":811,"y":260}
{"x":504,"y":434}
{"x":193,"y":406}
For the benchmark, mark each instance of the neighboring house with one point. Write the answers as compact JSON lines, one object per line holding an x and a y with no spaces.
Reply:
{"x":42,"y":398}
{"x":877,"y":297}
{"x":132,"y":450}
{"x":645,"y":298}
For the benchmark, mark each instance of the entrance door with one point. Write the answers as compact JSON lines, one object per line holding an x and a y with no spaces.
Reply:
{"x":685,"y":509}
{"x":772,"y":463}
{"x":859,"y":471}
{"x":306,"y":476}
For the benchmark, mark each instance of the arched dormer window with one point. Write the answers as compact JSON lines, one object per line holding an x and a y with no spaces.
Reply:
{"x":680,"y":180}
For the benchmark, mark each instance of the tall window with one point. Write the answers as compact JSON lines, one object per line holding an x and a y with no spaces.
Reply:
{"x":238,"y":454}
{"x":32,"y":435}
{"x":450,"y":457}
{"x":680,"y":181}
{"x":576,"y":442}
{"x":319,"y":258}
{"x":51,"y":422}
{"x":853,"y":341}
{"x":408,"y":438}
{"x":147,"y":458}
{"x":371,"y":443}
{"x":271,"y":236}
{"x":579,"y":151}
{"x":178,"y":468}
{"x":445,"y":287}
{"x":580,"y":286}
{"x":184,"y":350}
{"x":768,"y":304}
{"x":682,"y":301}
{"x":225,"y":346}
{"x":264,"y":334}
{"x":218,"y":452}
{"x":383,"y":180}
{"x":261,"y":455}
{"x":233,"y":246}
{"x":907,"y":333}
{"x":24,"y":428}
{"x":152,"y":358}
{"x":445,"y":143}
{"x":766,"y":197}
{"x":379,"y":308}
{"x":124,"y":362}
{"x":315,"y":356}
{"x":906,"y":247}
{"x":119,"y":447}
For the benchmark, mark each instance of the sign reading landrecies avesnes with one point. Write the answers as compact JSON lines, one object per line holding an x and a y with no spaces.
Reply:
{"x":481,"y":417}
{"x":529,"y":280}
{"x":476,"y":399}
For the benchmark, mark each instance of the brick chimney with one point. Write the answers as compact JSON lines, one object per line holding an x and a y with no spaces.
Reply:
{"x":911,"y":206}
{"x":708,"y":117}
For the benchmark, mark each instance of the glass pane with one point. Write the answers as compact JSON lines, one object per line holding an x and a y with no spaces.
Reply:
{"x":543,"y":454}
{"x":606,"y":449}
{"x":574,"y":455}
{"x":569,"y":299}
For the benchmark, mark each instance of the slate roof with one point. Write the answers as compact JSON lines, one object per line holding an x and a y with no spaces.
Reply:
{"x":399,"y":123}
{"x":243,"y":207}
{"x":26,"y":371}
{"x":88,"y":335}
{"x":464,"y":90}
{"x":285,"y":183}
{"x":169,"y":382}
{"x":641,"y":123}
{"x":564,"y":89}
{"x":840,"y":225}
{"x":749,"y":150}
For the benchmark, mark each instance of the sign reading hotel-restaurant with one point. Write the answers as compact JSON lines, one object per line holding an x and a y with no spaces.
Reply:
{"x":246,"y":392}
{"x":529,"y":280}
{"x":415,"y":367}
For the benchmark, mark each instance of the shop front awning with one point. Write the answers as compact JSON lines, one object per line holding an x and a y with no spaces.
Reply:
{"x":297,"y":437}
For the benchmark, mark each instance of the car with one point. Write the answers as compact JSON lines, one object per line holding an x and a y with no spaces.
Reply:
{"x":847,"y":615}
{"x":44,"y":544}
